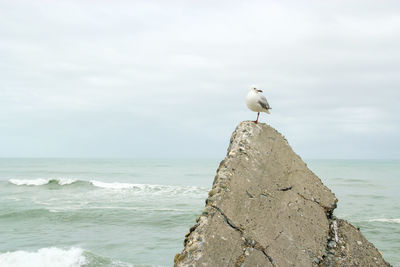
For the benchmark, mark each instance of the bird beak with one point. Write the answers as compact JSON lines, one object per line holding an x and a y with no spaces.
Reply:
{"x":258,"y":90}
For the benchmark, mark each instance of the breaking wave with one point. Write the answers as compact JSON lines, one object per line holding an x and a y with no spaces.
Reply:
{"x":116,"y":185}
{"x":52,"y":256}
{"x":151,"y":188}
{"x":44,"y":257}
{"x":42,"y":181}
{"x":140,"y":188}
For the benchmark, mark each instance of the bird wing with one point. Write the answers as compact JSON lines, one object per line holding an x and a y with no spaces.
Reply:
{"x":263,"y":102}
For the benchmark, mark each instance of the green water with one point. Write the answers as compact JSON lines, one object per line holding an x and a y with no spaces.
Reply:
{"x":91,"y":212}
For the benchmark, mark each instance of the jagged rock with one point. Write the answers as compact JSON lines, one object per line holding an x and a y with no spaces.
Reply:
{"x":266,"y":208}
{"x":353,"y":249}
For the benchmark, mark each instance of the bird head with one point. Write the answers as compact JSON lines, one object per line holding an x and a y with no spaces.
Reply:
{"x":255,"y":89}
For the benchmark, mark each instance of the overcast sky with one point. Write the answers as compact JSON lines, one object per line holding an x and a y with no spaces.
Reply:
{"x":169,"y":78}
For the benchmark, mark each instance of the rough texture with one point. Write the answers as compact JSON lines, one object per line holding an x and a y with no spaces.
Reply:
{"x":348,"y":247}
{"x":266,"y":208}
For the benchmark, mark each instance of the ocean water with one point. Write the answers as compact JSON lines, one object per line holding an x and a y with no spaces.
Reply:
{"x":127,"y":212}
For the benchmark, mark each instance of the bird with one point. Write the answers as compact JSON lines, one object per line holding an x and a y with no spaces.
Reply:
{"x":257,"y":102}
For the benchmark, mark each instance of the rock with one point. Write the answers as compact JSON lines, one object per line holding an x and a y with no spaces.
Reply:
{"x":358,"y":251}
{"x":266,"y":208}
{"x":256,"y":258}
{"x":332,"y":244}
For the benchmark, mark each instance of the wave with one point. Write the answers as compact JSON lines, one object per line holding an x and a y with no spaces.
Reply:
{"x":134,"y":188}
{"x":116,"y":185}
{"x":154,"y":188}
{"x":44,"y":257}
{"x":42,"y":181}
{"x":385,"y":220}
{"x":53,"y":256}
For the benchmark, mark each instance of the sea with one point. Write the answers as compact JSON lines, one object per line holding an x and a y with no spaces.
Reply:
{"x":136,"y":212}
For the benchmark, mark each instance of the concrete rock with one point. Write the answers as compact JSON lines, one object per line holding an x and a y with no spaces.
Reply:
{"x":266,"y":208}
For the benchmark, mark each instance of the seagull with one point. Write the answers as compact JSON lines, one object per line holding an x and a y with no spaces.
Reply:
{"x":257,"y":102}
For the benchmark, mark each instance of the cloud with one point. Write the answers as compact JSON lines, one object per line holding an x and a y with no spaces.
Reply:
{"x":173,"y":75}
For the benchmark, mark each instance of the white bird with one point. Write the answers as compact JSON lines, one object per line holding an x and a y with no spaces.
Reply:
{"x":257,"y":102}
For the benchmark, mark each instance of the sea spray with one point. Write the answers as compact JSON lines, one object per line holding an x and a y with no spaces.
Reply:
{"x":139,"y":188}
{"x":42,"y":181}
{"x":44,"y":257}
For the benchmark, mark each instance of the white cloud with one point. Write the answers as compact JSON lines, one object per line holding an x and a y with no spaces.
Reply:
{"x":181,"y":70}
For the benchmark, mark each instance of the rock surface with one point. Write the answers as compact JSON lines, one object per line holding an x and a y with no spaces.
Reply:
{"x":266,"y":208}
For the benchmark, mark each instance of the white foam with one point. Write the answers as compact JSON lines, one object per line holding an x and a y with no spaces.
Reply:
{"x":41,"y":181}
{"x":153,"y":189}
{"x":385,"y":220}
{"x":114,"y":185}
{"x":44,"y":257}
{"x":65,"y":181}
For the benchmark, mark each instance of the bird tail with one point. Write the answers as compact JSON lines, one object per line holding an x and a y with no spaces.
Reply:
{"x":267,"y":111}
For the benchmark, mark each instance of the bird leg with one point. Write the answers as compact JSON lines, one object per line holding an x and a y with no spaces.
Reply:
{"x":256,"y":121}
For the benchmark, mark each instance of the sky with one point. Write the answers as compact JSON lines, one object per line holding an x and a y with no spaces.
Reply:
{"x":168,"y":79}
